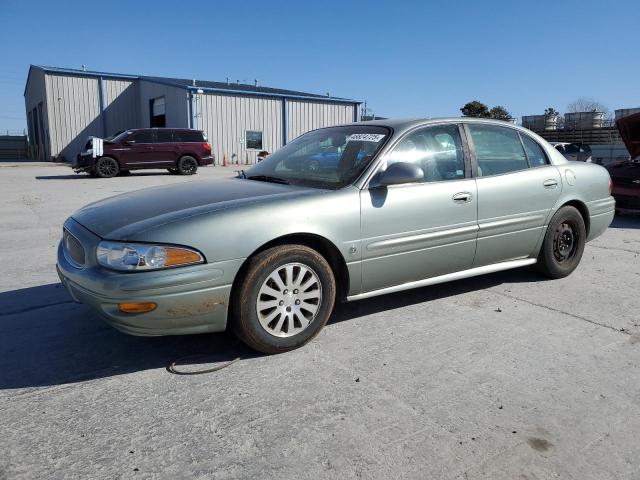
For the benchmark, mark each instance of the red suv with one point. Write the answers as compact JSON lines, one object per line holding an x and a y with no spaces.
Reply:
{"x":179,"y":150}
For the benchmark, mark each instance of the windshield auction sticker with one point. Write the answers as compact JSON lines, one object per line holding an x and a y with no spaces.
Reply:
{"x":365,"y":137}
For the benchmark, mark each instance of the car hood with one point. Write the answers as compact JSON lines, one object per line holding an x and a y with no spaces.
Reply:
{"x":629,"y":128}
{"x":124,"y":216}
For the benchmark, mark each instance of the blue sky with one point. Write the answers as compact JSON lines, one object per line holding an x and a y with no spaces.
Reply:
{"x":411,"y":59}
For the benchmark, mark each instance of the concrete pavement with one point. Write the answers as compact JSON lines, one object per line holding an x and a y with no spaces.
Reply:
{"x":499,"y":377}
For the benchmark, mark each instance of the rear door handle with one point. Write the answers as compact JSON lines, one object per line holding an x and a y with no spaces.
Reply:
{"x":551,"y":183}
{"x":462,"y":197}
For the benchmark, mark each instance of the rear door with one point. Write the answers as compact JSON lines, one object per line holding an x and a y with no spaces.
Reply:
{"x":166,"y":149}
{"x":517,"y":187}
{"x":423,"y":229}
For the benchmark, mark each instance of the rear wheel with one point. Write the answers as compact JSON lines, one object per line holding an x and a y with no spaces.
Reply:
{"x":172,"y":171}
{"x":285,"y":298}
{"x":107,"y":167}
{"x":187,"y":165}
{"x":563,"y":243}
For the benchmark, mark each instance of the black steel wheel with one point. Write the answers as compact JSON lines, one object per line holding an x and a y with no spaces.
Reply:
{"x":187,"y":165}
{"x":107,"y":167}
{"x":563,"y":243}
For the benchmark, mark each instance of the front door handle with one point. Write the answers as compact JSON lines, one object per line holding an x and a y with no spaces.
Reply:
{"x":462,"y":197}
{"x":550,"y":183}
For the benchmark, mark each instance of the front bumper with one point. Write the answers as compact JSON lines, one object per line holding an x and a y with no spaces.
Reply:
{"x":189,"y":300}
{"x":83,"y":163}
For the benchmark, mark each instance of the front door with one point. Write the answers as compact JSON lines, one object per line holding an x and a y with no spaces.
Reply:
{"x":137,"y":150}
{"x":422,"y":229}
{"x":517,"y":187}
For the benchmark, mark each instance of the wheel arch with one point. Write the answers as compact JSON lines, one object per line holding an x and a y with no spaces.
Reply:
{"x":322,"y":245}
{"x":582,"y":208}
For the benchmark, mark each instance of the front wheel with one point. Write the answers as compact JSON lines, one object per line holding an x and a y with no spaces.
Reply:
{"x":284,"y":299}
{"x":187,"y":165}
{"x":563,"y":243}
{"x":107,"y":167}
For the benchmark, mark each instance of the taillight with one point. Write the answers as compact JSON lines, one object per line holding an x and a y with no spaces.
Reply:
{"x":610,"y":186}
{"x":207,"y":147}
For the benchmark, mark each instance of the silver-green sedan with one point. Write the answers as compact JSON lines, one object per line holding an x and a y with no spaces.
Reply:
{"x":340,"y":213}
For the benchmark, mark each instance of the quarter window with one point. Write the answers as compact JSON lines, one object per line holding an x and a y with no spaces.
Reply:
{"x":498,"y":150}
{"x":253,"y":140}
{"x":188,"y":136}
{"x":436,"y":150}
{"x":535,"y":154}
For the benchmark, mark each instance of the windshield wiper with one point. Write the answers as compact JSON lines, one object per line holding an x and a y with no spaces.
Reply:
{"x":267,"y":178}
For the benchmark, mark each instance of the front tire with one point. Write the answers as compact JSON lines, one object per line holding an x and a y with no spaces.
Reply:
{"x":187,"y":165}
{"x":284,"y":299}
{"x":563,"y":243}
{"x":107,"y":167}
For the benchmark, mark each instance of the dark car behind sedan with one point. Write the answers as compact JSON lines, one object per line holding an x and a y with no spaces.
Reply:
{"x":625,"y":174}
{"x":181,"y":151}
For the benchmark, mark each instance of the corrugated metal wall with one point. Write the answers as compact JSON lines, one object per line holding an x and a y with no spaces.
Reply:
{"x":74,"y":113}
{"x":176,"y":104}
{"x":34,"y":94}
{"x":305,"y":115}
{"x":225,"y":119}
{"x":121,"y":105}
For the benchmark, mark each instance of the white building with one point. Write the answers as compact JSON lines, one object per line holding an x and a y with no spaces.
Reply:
{"x":66,"y":106}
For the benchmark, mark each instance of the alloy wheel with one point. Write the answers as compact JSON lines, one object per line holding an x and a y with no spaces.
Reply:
{"x":289,"y":300}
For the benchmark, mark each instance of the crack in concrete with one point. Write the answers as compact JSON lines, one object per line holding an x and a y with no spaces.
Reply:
{"x":36,"y":307}
{"x":615,"y":248}
{"x":577,"y":317}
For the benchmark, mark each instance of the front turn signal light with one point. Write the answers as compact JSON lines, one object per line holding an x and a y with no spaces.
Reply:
{"x":143,"y":307}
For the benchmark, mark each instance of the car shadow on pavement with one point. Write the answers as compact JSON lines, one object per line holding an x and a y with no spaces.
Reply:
{"x":46,"y":339}
{"x":88,"y":177}
{"x":626,"y":220}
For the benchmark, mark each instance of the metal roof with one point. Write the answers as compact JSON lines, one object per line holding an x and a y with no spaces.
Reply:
{"x":206,"y":85}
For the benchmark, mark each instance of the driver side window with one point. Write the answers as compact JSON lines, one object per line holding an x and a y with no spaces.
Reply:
{"x":436,"y":150}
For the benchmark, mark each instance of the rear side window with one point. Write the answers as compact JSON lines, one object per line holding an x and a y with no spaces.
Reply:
{"x":498,"y":150}
{"x":188,"y":136}
{"x":143,"y":136}
{"x":164,"y":136}
{"x":535,"y":154}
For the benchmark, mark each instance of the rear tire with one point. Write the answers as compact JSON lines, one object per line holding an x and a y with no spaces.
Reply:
{"x":172,"y":171}
{"x":563,"y":243}
{"x":284,"y":299}
{"x":187,"y":165}
{"x":107,"y":167}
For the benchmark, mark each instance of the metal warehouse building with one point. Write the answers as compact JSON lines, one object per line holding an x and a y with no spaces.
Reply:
{"x":66,"y":106}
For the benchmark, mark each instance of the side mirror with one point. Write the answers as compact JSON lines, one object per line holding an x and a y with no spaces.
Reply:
{"x":399,"y":173}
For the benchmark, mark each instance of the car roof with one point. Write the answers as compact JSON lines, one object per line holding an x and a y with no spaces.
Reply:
{"x":164,"y":128}
{"x":400,"y":125}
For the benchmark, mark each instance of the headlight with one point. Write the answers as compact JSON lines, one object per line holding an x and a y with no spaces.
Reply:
{"x":139,"y":256}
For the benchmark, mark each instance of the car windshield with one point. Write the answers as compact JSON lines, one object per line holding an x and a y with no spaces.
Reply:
{"x":119,"y":138}
{"x":326,"y":158}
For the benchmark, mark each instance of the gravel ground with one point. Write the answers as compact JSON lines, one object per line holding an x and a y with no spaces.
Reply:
{"x":507,"y":376}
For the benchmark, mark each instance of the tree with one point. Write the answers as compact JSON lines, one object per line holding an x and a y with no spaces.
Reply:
{"x":551,"y":112}
{"x":475,"y":109}
{"x":585,"y":104}
{"x":500,"y":113}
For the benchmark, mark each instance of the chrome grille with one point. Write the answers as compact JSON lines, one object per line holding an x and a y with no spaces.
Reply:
{"x":73,"y":249}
